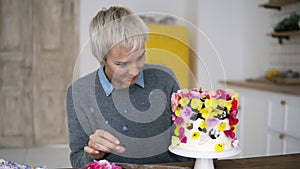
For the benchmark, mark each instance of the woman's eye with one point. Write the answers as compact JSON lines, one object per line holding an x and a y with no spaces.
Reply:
{"x":122,"y":64}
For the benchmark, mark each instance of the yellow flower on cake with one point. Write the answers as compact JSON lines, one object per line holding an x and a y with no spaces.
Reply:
{"x":234,"y":94}
{"x":175,"y":141}
{"x":212,"y":103}
{"x":196,"y":103}
{"x":220,"y":147}
{"x":184,"y":102}
{"x":196,"y":135}
{"x":203,"y":125}
{"x":234,"y":128}
{"x":206,"y":112}
{"x":216,"y":112}
{"x":176,"y":131}
{"x":222,"y":126}
{"x":177,"y":112}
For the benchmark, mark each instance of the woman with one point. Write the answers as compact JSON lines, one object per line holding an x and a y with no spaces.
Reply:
{"x":121,"y":112}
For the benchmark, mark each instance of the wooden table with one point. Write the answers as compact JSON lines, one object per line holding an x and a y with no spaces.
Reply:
{"x":290,"y":161}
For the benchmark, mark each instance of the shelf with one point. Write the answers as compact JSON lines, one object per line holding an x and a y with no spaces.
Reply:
{"x":284,"y":35}
{"x":278,"y":4}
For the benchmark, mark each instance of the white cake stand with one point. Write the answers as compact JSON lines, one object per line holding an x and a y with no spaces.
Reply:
{"x":204,"y":160}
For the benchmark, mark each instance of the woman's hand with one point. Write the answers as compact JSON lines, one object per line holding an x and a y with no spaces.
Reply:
{"x":102,"y":142}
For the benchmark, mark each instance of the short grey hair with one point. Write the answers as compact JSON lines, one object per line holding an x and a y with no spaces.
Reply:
{"x":116,"y":26}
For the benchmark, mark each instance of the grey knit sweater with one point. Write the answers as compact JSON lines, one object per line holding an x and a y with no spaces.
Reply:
{"x":139,"y":117}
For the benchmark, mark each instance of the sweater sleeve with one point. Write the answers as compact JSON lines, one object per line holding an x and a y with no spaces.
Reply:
{"x":77,"y":137}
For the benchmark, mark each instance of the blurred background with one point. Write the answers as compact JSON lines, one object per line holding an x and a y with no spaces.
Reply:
{"x":249,"y":46}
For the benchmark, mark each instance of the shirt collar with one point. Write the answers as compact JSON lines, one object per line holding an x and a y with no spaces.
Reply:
{"x":108,"y":87}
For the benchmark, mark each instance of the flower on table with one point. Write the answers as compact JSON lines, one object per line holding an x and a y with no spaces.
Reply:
{"x":102,"y":164}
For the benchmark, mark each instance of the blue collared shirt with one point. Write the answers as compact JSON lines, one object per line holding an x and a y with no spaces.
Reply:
{"x":108,"y":87}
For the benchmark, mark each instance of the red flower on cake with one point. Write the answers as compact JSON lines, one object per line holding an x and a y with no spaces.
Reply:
{"x":234,"y":104}
{"x":232,"y":120}
{"x":183,"y":140}
{"x":230,"y":133}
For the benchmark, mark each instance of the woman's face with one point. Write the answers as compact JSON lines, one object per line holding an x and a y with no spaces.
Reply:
{"x":122,"y":67}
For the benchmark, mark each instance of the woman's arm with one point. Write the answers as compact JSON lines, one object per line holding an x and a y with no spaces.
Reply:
{"x":77,"y":137}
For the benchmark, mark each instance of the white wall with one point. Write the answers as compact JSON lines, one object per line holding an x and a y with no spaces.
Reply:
{"x":229,"y":37}
{"x":90,"y":8}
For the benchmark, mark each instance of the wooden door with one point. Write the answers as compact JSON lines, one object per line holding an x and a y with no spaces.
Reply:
{"x":55,"y":42}
{"x":39,"y":47}
{"x":15,"y":73}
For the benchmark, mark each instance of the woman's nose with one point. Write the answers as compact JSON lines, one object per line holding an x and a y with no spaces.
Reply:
{"x":134,"y":69}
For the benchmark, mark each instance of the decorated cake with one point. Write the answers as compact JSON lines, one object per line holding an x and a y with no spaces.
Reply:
{"x":205,"y":121}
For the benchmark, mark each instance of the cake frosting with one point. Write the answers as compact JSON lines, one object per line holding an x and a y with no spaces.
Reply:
{"x":205,"y":121}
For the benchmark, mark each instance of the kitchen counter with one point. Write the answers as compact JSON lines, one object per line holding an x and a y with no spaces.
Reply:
{"x":265,"y":85}
{"x":288,"y":161}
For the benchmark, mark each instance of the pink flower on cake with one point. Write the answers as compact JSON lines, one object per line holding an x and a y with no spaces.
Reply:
{"x":183,"y":140}
{"x":230,"y":133}
{"x":174,"y":101}
{"x":178,"y":120}
{"x":212,"y":121}
{"x":186,"y":112}
{"x":194,"y":94}
{"x":236,"y":143}
{"x":234,"y":113}
{"x":102,"y":164}
{"x":181,"y":132}
{"x":183,"y":92}
{"x":181,"y":136}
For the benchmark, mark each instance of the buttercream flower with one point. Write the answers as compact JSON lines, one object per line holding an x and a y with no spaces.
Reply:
{"x":184,"y":102}
{"x":186,"y":112}
{"x":196,"y":103}
{"x":196,"y":135}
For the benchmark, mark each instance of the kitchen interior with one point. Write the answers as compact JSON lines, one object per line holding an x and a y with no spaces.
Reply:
{"x":249,"y":46}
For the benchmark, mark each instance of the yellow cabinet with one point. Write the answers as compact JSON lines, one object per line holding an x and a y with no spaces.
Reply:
{"x":168,"y":45}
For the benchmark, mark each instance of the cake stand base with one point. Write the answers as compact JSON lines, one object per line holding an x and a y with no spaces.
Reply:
{"x":204,"y":160}
{"x":204,"y":163}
